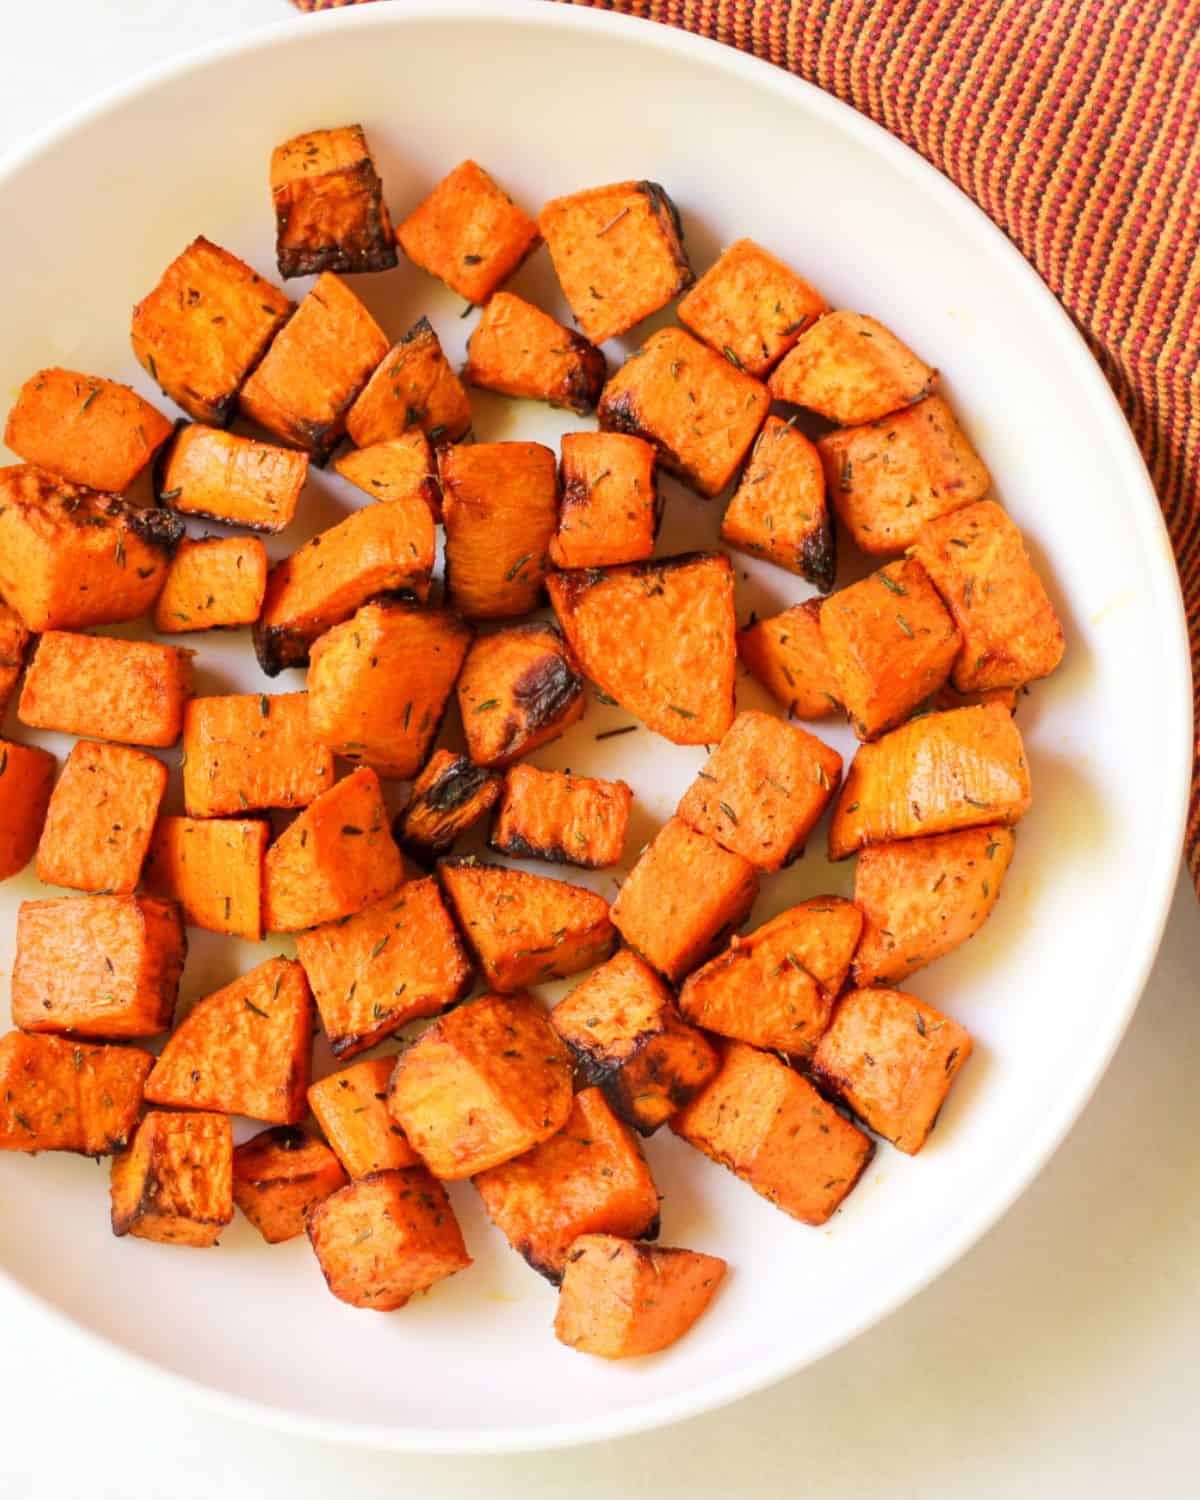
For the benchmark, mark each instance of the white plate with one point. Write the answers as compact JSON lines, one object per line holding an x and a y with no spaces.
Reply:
{"x":551,"y":99}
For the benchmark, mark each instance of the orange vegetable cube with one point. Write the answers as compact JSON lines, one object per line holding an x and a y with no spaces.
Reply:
{"x":851,"y":369}
{"x":519,"y":350}
{"x":175,"y":1181}
{"x":399,"y":468}
{"x":100,"y":819}
{"x":568,"y":820}
{"x":26,"y":779}
{"x":245,"y":752}
{"x":280,"y":1176}
{"x":519,"y":688}
{"x":236,"y":480}
{"x":329,"y":208}
{"x":610,"y":503}
{"x":134,"y":692}
{"x":14,"y":642}
{"x":351,"y":1108}
{"x":213,"y":867}
{"x":787,"y":654}
{"x":414,"y":388}
{"x":779,"y":509}
{"x":448,"y":797}
{"x":59,"y":1095}
{"x":216,"y":583}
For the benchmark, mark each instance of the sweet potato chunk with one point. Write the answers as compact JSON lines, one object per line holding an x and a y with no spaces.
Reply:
{"x":486,"y":1082}
{"x":313,"y":372}
{"x":351,"y":1108}
{"x":213,"y":584}
{"x":699,"y":411}
{"x":946,"y":771}
{"x":519,"y":350}
{"x":500,"y":509}
{"x":628,"y":1039}
{"x":237,"y":480}
{"x":101,"y":818}
{"x":619,"y":1300}
{"x":58,"y":1095}
{"x":448,"y":797}
{"x":610,"y":504}
{"x":378,"y":685}
{"x":772,"y":1129}
{"x":618,"y":254}
{"x":204,"y":327}
{"x":525,"y":929}
{"x":329,"y":208}
{"x":213,"y":867}
{"x":26,"y":777}
{"x":590,"y":1178}
{"x":787,"y":654}
{"x":684,"y":893}
{"x":660,"y":638}
{"x":468,"y":233}
{"x":399,"y":468}
{"x":280,"y":1176}
{"x":414,"y":388}
{"x":750,"y":307}
{"x":134,"y":692}
{"x":1010,"y":632}
{"x":385,"y":1237}
{"x":888,"y":478}
{"x":519,"y":688}
{"x":246,"y":752}
{"x":14,"y":642}
{"x":175,"y":1182}
{"x":568,"y":820}
{"x":779,"y":510}
{"x":851,"y":369}
{"x":389,"y":964}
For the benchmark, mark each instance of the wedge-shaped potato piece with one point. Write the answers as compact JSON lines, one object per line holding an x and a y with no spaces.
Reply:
{"x":751,"y":307}
{"x":946,"y":771}
{"x":629,"y":1040}
{"x":610,"y":506}
{"x":888,"y":478}
{"x":590,"y":1178}
{"x":312,"y":374}
{"x":922,"y":898}
{"x":620,"y":1300}
{"x":245,"y":752}
{"x":14,"y":643}
{"x":26,"y":779}
{"x":204,"y":327}
{"x":382,"y":549}
{"x":379,"y":684}
{"x":684,"y":894}
{"x":775,"y":988}
{"x":213,"y":867}
{"x":763,"y":789}
{"x":519,"y":688}
{"x":100,"y":819}
{"x":700,"y":412}
{"x":214,"y":584}
{"x":660,"y":638}
{"x":448,"y":797}
{"x":892,"y":1059}
{"x":779,"y":510}
{"x":851,"y":369}
{"x":771,"y":1128}
{"x":787,"y":654}
{"x":389,"y":964}
{"x":519,"y":350}
{"x":351,"y":1108}
{"x":525,"y":929}
{"x":280,"y":1176}
{"x":237,"y":480}
{"x":413,"y":388}
{"x":398,"y":468}
{"x":175,"y":1181}
{"x":618,"y":254}
{"x":468,"y":233}
{"x":133,"y":692}
{"x":58,"y":1095}
{"x":568,"y":820}
{"x":386,"y":1237}
{"x":71,"y":557}
{"x":337,"y":857}
{"x":329,"y":208}
{"x":891,"y":642}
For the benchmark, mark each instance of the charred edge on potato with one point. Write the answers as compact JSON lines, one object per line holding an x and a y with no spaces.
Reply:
{"x":664,"y":210}
{"x":818,"y":556}
{"x":376,"y":251}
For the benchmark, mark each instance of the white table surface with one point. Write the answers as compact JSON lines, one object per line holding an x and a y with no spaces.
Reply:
{"x":1058,"y":1359}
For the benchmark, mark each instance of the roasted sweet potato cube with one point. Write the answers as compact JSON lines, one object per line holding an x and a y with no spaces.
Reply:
{"x":684,"y":894}
{"x":468,"y":233}
{"x":628,"y":1039}
{"x":486,"y":1082}
{"x":329,"y":208}
{"x":660,"y":638}
{"x":381,"y":549}
{"x":399,"y":468}
{"x":26,"y":779}
{"x":212,"y":584}
{"x":351,"y":1108}
{"x":14,"y":642}
{"x":888,"y":478}
{"x":891,"y":642}
{"x":500,"y":509}
{"x":619,"y":1300}
{"x":133,"y":692}
{"x":779,"y":510}
{"x":618,"y":254}
{"x":100,"y":819}
{"x":213,"y":867}
{"x":379,"y":684}
{"x":751,"y":307}
{"x":414,"y":388}
{"x":519,"y":688}
{"x":945,"y":771}
{"x":204,"y":327}
{"x":393,"y":962}
{"x":385,"y":1237}
{"x":245,"y":752}
{"x":787,"y":655}
{"x":237,"y":480}
{"x":312,"y":374}
{"x":891,"y":1058}
{"x":519,"y":350}
{"x":448,"y":797}
{"x":175,"y":1181}
{"x":700,"y":412}
{"x":851,"y":369}
{"x":280,"y":1176}
{"x":58,"y":1095}
{"x":590,"y":1178}
{"x":610,"y":506}
{"x":568,"y":820}
{"x":525,"y":929}
{"x":1010,"y":632}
